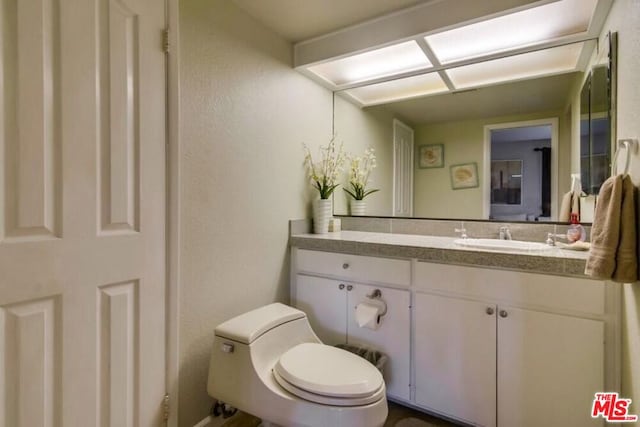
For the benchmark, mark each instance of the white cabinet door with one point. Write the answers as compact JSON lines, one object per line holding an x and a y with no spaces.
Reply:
{"x":455,"y":358}
{"x":325,"y":302}
{"x":392,"y":336}
{"x":549,"y":367}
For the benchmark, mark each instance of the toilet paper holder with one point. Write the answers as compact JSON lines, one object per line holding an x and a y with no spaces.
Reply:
{"x":377,"y":295}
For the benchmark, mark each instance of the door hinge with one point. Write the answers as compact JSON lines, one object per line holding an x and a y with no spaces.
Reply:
{"x":165,"y":41}
{"x":165,"y":407}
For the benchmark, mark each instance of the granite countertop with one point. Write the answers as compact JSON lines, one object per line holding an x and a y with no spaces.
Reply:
{"x":438,"y":249}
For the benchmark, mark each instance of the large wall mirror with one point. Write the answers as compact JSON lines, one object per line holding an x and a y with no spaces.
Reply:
{"x":526,"y":128}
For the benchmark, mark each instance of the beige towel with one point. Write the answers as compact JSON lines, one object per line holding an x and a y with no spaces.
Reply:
{"x":627,"y":255}
{"x":575,"y":203}
{"x":605,"y":231}
{"x":570,"y":204}
{"x":614,"y":241}
{"x":565,"y":207}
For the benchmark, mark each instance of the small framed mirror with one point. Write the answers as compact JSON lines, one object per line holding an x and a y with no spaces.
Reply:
{"x":597,"y":120}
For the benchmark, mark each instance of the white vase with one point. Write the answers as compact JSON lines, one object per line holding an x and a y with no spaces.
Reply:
{"x":322,"y":213}
{"x":358,"y":207}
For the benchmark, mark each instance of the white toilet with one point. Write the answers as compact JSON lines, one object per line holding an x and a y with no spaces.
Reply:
{"x":269,"y":362}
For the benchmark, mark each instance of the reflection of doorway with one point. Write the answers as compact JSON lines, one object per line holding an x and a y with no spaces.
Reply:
{"x":520,"y":171}
{"x":402,"y":169}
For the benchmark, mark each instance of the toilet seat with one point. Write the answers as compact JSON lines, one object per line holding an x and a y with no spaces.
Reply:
{"x":328,"y":375}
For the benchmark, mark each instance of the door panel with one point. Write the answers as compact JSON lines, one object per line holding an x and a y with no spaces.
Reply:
{"x":119,"y":137}
{"x":118,"y":353}
{"x":31,"y":336}
{"x":82,"y":213}
{"x":30,"y":113}
{"x":455,"y":358}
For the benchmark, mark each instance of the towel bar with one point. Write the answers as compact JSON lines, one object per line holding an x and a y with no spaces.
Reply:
{"x":629,"y":144}
{"x":576,"y":183}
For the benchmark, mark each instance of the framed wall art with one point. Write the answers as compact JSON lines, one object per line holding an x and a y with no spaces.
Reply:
{"x":464,"y":175}
{"x":431,"y":156}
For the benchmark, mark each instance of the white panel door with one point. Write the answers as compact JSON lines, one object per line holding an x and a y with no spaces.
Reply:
{"x":82,"y":213}
{"x":549,"y":367}
{"x":402,"y":169}
{"x":392,"y":336}
{"x":455,"y":358}
{"x":325,"y":302}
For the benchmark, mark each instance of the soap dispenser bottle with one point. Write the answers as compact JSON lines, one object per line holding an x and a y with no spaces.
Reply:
{"x":575,"y":231}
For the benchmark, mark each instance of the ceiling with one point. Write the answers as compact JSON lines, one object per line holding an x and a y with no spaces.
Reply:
{"x":522,"y":97}
{"x":298,"y":20}
{"x":302,"y":20}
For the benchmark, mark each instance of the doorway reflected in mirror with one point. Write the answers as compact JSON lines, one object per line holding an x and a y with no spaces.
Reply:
{"x":520,"y":184}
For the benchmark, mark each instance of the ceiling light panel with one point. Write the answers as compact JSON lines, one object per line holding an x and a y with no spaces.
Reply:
{"x":410,"y":87}
{"x":520,"y":29}
{"x":539,"y":63}
{"x":383,"y":62}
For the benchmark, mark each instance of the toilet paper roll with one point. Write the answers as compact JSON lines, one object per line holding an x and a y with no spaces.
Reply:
{"x":367,"y":315}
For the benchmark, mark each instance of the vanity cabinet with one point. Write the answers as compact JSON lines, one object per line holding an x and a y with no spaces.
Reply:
{"x":491,"y":358}
{"x":484,"y":346}
{"x":330,"y":303}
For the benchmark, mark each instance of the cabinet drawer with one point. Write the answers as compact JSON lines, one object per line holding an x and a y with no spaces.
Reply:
{"x":528,"y":289}
{"x":355,"y":267}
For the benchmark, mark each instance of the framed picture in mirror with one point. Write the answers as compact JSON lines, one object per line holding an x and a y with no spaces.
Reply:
{"x":464,"y":175}
{"x":431,"y":156}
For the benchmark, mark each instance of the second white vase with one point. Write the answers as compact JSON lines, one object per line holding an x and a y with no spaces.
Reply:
{"x":358,"y":207}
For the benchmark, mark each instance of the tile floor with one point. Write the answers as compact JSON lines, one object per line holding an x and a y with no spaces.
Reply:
{"x":399,"y":416}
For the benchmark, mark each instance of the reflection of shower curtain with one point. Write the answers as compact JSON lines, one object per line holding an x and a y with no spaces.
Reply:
{"x":546,"y":180}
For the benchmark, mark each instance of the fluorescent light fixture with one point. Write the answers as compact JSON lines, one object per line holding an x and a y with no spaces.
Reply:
{"x":383,"y":62}
{"x":409,"y":87}
{"x":520,"y":29}
{"x":539,"y":63}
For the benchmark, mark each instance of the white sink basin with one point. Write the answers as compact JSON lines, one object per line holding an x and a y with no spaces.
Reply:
{"x":503,"y":245}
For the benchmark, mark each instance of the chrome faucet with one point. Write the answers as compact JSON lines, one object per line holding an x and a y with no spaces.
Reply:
{"x":505,"y":233}
{"x":553,"y":237}
{"x":461,"y":230}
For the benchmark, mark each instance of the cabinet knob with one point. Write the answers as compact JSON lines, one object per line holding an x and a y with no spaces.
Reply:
{"x":503,"y":313}
{"x":349,"y":287}
{"x":341,"y":286}
{"x":345,"y":265}
{"x":490,"y":311}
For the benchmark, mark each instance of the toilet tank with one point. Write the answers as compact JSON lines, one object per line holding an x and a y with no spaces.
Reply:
{"x":249,"y":326}
{"x":246,"y":347}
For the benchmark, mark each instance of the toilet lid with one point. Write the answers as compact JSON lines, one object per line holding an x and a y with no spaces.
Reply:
{"x":328,"y":400}
{"x":329,"y":371}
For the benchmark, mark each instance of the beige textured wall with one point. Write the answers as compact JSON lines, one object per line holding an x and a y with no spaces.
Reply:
{"x":625,"y":19}
{"x":244,"y":116}
{"x":463,"y":143}
{"x":361,"y":129}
